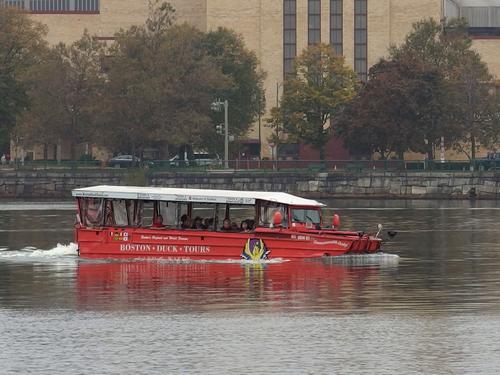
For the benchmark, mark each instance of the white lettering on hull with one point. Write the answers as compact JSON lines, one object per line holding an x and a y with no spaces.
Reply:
{"x":163,"y":238}
{"x":186,"y":249}
{"x":334,"y":242}
{"x":135,"y":247}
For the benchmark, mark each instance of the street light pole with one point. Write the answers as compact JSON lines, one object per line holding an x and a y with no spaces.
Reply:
{"x":217,"y":107}
{"x":226,"y":134}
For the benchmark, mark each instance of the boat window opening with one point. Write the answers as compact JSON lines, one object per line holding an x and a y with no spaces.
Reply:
{"x":147,"y":213}
{"x":235,"y":214}
{"x":183,"y":215}
{"x":243,"y":217}
{"x":120,"y":212}
{"x":136,"y":214}
{"x":267,"y":211}
{"x":168,"y":212}
{"x":222,"y":212}
{"x":204,"y":216}
{"x":304,"y":216}
{"x":92,"y":211}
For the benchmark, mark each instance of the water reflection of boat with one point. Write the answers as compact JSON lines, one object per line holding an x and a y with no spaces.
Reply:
{"x":208,"y":286}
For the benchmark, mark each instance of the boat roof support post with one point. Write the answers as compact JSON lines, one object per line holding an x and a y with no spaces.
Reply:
{"x":216,"y":217}
{"x":104,"y":203}
{"x":80,"y":210}
{"x":178,"y":214}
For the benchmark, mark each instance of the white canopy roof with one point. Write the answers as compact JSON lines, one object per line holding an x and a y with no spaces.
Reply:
{"x":192,"y":195}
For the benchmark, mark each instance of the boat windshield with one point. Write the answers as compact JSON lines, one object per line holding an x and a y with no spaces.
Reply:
{"x":304,"y":215}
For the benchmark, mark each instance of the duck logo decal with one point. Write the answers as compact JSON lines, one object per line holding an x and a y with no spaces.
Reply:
{"x":255,"y":249}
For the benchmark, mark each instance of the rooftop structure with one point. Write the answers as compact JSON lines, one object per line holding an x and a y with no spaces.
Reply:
{"x":192,"y":195}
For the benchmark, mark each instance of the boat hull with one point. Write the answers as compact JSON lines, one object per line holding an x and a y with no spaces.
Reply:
{"x":264,"y":243}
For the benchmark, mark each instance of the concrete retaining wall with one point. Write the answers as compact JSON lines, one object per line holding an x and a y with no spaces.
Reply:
{"x":460,"y":185}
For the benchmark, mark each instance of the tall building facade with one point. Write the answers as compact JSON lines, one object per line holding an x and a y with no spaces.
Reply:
{"x":278,"y":30}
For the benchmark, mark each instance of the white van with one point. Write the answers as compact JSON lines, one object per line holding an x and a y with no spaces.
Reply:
{"x":198,"y":159}
{"x":204,"y":158}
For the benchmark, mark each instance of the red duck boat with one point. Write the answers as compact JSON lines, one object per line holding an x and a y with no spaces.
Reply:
{"x":140,"y":222}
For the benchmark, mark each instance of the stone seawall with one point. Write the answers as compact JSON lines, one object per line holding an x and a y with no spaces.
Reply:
{"x":371,"y":184}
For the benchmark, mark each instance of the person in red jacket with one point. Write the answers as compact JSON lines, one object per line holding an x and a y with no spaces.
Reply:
{"x":158,"y":222}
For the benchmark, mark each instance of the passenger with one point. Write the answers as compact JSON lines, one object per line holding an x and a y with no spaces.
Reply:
{"x":209,"y":223}
{"x":158,"y":222}
{"x":251,"y":225}
{"x":198,"y":223}
{"x":226,"y":225}
{"x":206,"y":223}
{"x":244,"y":226}
{"x":186,"y":222}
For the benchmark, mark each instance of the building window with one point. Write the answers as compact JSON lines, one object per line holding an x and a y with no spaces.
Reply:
{"x":336,"y":26}
{"x":314,"y":21}
{"x":87,"y":5}
{"x":484,"y":21}
{"x":361,"y":39}
{"x":55,"y":6}
{"x":289,"y":34}
{"x":18,"y":4}
{"x":49,"y":6}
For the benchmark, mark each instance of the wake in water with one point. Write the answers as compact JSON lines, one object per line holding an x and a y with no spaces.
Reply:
{"x":382,"y":259}
{"x":216,"y":261}
{"x":70,"y":252}
{"x":30,"y":252}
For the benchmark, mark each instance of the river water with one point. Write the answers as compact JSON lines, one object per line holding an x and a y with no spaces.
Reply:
{"x":430,"y":305}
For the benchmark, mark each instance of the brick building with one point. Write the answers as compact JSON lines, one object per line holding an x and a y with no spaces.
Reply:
{"x":278,"y":30}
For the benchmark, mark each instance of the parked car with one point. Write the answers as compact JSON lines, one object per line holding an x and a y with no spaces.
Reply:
{"x":198,"y":159}
{"x":176,"y":161}
{"x":490,"y":162}
{"x":204,"y":159}
{"x":124,"y":161}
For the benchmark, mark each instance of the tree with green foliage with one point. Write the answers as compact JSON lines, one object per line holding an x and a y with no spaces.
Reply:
{"x":63,"y":90}
{"x":365,"y":128}
{"x":21,"y":44}
{"x":478,"y":110}
{"x":160,"y":84}
{"x":432,"y":86}
{"x":442,"y":52}
{"x":319,"y":88}
{"x":244,"y":90}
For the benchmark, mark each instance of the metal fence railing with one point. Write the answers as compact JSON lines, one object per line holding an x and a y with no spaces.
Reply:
{"x":267,"y":165}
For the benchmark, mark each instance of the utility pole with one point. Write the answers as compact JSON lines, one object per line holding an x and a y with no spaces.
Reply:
{"x":226,"y":134}
{"x":217,"y":107}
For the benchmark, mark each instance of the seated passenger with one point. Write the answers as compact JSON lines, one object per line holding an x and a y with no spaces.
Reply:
{"x":186,"y":222}
{"x":158,"y":222}
{"x":207,"y":223}
{"x":244,"y":227}
{"x":198,"y":224}
{"x":251,"y":225}
{"x":226,"y":225}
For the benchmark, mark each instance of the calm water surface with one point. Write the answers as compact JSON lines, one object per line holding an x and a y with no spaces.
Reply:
{"x":433,"y":310}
